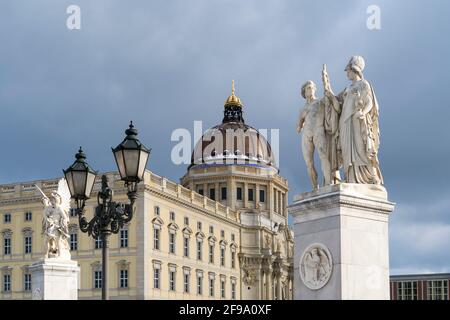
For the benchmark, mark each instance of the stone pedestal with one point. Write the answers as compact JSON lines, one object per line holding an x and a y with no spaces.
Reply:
{"x":341,"y":243}
{"x":55,"y":279}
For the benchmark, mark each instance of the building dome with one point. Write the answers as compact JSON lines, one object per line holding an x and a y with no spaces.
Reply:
{"x":233,"y":142}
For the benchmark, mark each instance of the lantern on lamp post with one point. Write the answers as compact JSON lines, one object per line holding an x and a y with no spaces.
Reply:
{"x":131,"y":158}
{"x":109,"y":216}
{"x":80,"y":178}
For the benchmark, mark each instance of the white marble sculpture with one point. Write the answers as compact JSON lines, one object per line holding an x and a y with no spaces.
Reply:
{"x":311,"y":122}
{"x":344,"y":128}
{"x":316,"y":266}
{"x":55,"y":228}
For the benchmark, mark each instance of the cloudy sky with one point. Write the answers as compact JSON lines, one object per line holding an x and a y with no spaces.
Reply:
{"x":167,"y":63}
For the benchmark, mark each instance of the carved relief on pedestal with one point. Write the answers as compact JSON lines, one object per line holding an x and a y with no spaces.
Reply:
{"x":316,"y":266}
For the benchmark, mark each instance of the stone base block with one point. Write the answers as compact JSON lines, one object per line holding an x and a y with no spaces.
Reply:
{"x":55,"y":279}
{"x":341,"y":243}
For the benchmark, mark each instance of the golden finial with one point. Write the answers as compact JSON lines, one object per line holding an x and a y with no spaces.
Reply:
{"x":233,"y":100}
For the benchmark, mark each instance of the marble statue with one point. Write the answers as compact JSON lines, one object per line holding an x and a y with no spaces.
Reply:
{"x":359,"y":133}
{"x":311,"y":123}
{"x":55,"y":228}
{"x":315,"y":266}
{"x":343,"y":128}
{"x":268,"y":242}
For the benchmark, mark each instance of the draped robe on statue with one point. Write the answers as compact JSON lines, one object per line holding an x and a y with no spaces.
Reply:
{"x":359,"y":138}
{"x":331,"y":125}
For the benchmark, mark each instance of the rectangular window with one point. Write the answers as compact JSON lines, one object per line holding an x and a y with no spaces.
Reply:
{"x":7,"y":283}
{"x":239,"y":193}
{"x":222,"y":289}
{"x":211,"y":229}
{"x":186,"y":221}
{"x":156,"y":238}
{"x":211,"y":287}
{"x":156,"y":210}
{"x":224,"y":193}
{"x":73,"y":241}
{"x":437,"y":290}
{"x":262,"y":196}
{"x":233,"y":259}
{"x":407,"y":290}
{"x":73,"y":212}
{"x":200,"y":191}
{"x":97,"y":279}
{"x":222,"y":234}
{"x":212,"y":194}
{"x":172,"y":243}
{"x":124,"y":238}
{"x":199,"y":285}
{"x":186,"y":247}
{"x":222,"y":256}
{"x":232,"y":237}
{"x":28,"y":243}
{"x":156,"y":276}
{"x":233,"y":291}
{"x":123,"y":278}
{"x":172,"y":216}
{"x":27,"y":282}
{"x":28,"y":216}
{"x":211,"y":253}
{"x":199,"y":225}
{"x":7,"y":245}
{"x":7,"y":218}
{"x":199,"y":249}
{"x":186,"y":283}
{"x":250,"y":195}
{"x":172,"y":280}
{"x":98,"y":243}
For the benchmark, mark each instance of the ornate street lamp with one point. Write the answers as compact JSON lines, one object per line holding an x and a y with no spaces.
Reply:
{"x":80,"y":179}
{"x":131,"y":158}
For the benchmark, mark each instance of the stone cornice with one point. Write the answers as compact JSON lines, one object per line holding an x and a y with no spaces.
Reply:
{"x":21,"y":200}
{"x":189,"y":205}
{"x":220,"y":177}
{"x":338,"y":198}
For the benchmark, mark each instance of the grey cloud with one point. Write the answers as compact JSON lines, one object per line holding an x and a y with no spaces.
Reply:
{"x":165,"y":64}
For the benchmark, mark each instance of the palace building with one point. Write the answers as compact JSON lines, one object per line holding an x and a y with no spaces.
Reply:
{"x":222,"y":233}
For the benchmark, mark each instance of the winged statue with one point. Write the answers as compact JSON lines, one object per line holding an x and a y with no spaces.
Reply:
{"x":55,"y":221}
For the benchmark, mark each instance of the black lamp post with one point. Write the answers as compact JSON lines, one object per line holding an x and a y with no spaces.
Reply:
{"x":131,"y":158}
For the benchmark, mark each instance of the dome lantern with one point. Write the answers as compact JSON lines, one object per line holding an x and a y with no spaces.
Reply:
{"x":233,"y":108}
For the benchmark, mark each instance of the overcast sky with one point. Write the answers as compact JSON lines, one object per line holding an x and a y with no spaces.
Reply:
{"x":165,"y":64}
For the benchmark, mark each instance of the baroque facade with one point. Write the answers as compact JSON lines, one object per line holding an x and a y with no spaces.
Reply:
{"x":220,"y":234}
{"x":234,"y":164}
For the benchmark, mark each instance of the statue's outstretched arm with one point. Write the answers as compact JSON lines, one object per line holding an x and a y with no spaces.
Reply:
{"x":334,"y":100}
{"x":337,"y":105}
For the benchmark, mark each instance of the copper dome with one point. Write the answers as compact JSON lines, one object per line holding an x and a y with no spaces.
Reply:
{"x":233,"y":142}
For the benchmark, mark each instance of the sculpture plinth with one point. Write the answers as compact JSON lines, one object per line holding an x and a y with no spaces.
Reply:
{"x":341,"y":242}
{"x":55,"y":279}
